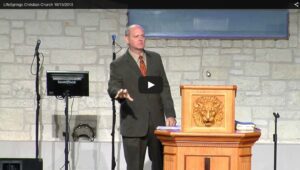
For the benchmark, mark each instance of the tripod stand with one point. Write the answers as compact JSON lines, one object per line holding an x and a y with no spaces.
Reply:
{"x":38,"y":98}
{"x":113,"y":159}
{"x":66,"y":133}
{"x":67,"y":84}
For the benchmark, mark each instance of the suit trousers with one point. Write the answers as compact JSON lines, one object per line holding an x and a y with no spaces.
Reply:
{"x":135,"y":150}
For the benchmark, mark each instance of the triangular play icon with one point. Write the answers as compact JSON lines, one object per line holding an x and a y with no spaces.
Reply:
{"x":150,"y":84}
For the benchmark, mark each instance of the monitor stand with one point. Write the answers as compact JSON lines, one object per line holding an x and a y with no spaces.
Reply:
{"x":66,"y":133}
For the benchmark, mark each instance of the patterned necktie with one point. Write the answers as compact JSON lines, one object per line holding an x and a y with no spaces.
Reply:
{"x":142,"y":66}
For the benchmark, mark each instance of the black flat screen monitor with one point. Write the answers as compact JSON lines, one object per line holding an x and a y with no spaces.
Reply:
{"x":71,"y":83}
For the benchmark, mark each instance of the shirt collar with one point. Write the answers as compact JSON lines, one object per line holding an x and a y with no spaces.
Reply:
{"x":136,"y":56}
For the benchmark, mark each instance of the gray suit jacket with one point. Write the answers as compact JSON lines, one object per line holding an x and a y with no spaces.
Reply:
{"x":135,"y":116}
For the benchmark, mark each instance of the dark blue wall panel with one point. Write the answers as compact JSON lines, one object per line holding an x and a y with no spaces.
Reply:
{"x":221,"y":24}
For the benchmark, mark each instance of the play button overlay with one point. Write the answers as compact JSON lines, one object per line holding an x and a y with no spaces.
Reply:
{"x":150,"y":84}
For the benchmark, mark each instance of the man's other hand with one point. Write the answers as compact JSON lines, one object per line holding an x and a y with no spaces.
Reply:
{"x":170,"y":121}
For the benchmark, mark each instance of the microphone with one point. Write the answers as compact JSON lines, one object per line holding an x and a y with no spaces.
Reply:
{"x":276,"y":115}
{"x":113,"y":39}
{"x":37,"y":46}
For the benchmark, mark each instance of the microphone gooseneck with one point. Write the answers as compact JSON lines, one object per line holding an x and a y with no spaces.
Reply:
{"x":114,"y":46}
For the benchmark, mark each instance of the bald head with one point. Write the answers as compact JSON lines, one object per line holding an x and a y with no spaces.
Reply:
{"x":135,"y":38}
{"x":129,"y":28}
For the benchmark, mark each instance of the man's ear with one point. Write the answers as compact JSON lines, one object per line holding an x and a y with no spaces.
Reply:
{"x":126,"y":39}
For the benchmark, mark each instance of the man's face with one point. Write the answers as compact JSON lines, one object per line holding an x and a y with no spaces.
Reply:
{"x":136,"y":38}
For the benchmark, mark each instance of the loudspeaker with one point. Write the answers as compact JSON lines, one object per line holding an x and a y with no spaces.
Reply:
{"x":21,"y":164}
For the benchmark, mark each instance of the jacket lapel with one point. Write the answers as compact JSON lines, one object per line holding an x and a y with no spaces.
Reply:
{"x":132,"y":64}
{"x":149,"y":64}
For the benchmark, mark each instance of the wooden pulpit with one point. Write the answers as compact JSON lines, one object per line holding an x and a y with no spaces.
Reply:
{"x":207,"y":139}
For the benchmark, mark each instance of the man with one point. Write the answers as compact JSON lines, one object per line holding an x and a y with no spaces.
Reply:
{"x":140,"y":113}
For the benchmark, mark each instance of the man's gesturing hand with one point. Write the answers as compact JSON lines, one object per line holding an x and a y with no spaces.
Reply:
{"x":123,"y":94}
